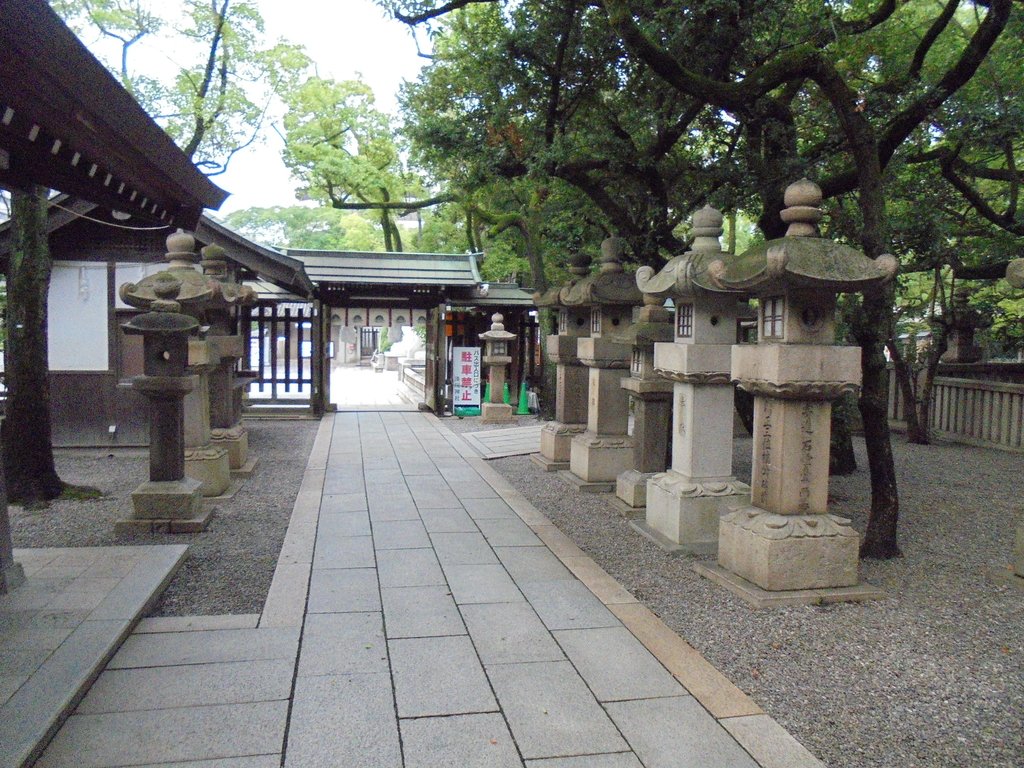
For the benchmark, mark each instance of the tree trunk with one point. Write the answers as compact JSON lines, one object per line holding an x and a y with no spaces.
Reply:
{"x":880,"y":536}
{"x":548,"y":321}
{"x":841,"y":458}
{"x":905,"y":383}
{"x":940,"y":343}
{"x":28,"y":448}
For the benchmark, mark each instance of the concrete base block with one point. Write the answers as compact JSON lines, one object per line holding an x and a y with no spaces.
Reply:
{"x":583,"y":486}
{"x":168,"y":499}
{"x":229,"y":493}
{"x":596,"y":458}
{"x":547,"y":464}
{"x":761,"y":598}
{"x":497,"y":413}
{"x":235,"y":441}
{"x":628,"y":512}
{"x":183,"y":525}
{"x":11,"y":577}
{"x":788,"y":552}
{"x":209,"y":465}
{"x":631,"y":488}
{"x":556,"y":439}
{"x":247,"y":469}
{"x":685,"y":513}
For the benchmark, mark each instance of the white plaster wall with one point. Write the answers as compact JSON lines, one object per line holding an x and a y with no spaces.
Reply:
{"x":78,"y":317}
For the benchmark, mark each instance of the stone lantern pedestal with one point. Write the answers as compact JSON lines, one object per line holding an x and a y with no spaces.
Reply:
{"x":786,"y":548}
{"x":604,"y":451}
{"x":204,"y":460}
{"x":169,"y":501}
{"x":496,"y":358}
{"x":685,"y":503}
{"x":571,"y":376}
{"x":651,"y":396}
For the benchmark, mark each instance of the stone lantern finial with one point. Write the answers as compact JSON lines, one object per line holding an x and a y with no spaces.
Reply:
{"x":611,"y":254}
{"x":215,"y":261}
{"x":579,"y":264}
{"x":803,"y":208}
{"x":497,"y":322}
{"x":707,"y":229}
{"x":181,"y":250}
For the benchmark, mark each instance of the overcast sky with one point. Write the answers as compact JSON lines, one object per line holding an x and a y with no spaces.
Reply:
{"x":345,"y":38}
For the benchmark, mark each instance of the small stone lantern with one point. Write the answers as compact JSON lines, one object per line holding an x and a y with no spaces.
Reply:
{"x":1015,"y":277}
{"x":604,"y":451}
{"x":496,"y":357}
{"x":964,"y":323}
{"x":169,"y":501}
{"x":684,"y":504}
{"x":787,"y":540}
{"x":652,"y":406}
{"x":571,"y":376}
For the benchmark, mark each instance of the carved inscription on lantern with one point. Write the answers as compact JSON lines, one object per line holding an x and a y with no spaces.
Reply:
{"x":681,"y":413}
{"x":806,"y":456}
{"x":766,"y":447}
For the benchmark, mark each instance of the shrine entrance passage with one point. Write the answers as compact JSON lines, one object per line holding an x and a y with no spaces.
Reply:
{"x":425,"y":303}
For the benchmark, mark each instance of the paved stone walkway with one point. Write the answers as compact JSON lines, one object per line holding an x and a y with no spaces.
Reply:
{"x":422,"y":614}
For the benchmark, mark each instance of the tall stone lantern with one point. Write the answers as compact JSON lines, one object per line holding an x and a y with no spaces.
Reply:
{"x":651,"y":397}
{"x":1015,"y":277}
{"x":964,"y":324}
{"x":169,"y":501}
{"x":787,"y":540}
{"x":685,"y":503}
{"x":571,"y":375}
{"x":226,"y":348}
{"x":497,"y":355}
{"x":604,"y":451}
{"x":204,"y":461}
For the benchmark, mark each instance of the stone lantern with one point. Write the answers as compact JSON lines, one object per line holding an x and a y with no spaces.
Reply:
{"x":226,"y":348}
{"x":169,"y":501}
{"x":685,"y":503}
{"x":497,"y":355}
{"x":604,"y":451}
{"x":787,"y":540}
{"x":204,"y":461}
{"x":1015,"y":277}
{"x":571,"y":376}
{"x":964,"y":323}
{"x":652,"y":406}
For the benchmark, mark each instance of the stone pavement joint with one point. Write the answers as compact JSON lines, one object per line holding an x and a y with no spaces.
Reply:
{"x":423,"y":613}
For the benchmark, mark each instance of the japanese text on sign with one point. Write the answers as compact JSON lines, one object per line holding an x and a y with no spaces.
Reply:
{"x":466,"y":376}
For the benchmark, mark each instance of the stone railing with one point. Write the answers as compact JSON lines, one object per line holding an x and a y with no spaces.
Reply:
{"x":985,"y":413}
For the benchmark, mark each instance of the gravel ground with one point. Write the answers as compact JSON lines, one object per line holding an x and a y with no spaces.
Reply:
{"x":931,"y":676}
{"x":229,"y":566}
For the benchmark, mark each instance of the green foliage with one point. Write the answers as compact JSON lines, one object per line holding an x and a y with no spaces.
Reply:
{"x":383,"y":342}
{"x":215,"y":104}
{"x":319,"y":228}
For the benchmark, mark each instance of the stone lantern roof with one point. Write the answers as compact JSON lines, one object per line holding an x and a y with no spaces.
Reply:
{"x":194,"y":290}
{"x":802,"y":258}
{"x":610,"y":286}
{"x":687,"y":273}
{"x":579,"y":268}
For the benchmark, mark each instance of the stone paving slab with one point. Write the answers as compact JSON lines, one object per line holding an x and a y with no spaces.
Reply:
{"x":421,"y":612}
{"x":653,"y":729}
{"x":615,"y":760}
{"x":409,"y":568}
{"x":340,"y":590}
{"x":167,"y":735}
{"x":127,"y":690}
{"x":498,"y":443}
{"x":551,"y":711}
{"x":209,"y":647}
{"x":439,"y":676}
{"x":462,"y":741}
{"x":509,"y":633}
{"x":343,"y":720}
{"x":343,"y":644}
